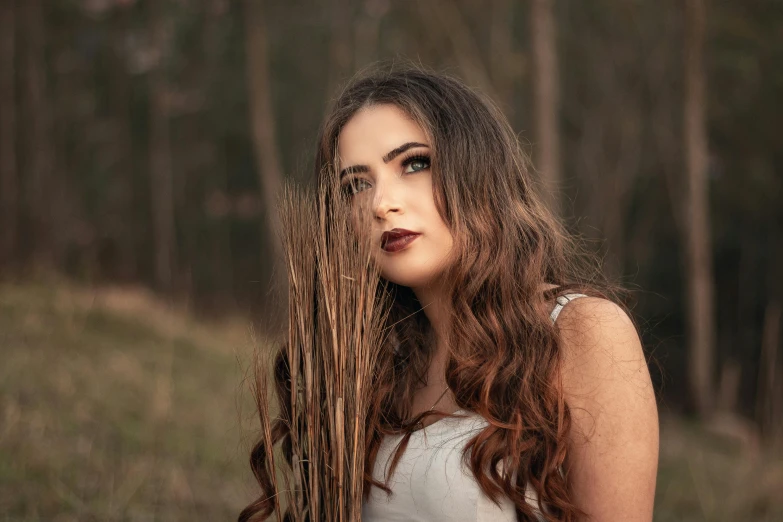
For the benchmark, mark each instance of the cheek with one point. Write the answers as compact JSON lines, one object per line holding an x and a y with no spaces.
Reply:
{"x":442,"y":230}
{"x":445,"y":248}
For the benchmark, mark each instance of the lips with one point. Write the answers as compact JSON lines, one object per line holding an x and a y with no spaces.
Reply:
{"x":397,"y":239}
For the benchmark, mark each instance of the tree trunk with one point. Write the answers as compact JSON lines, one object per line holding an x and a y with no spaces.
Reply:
{"x":367,"y":32}
{"x":340,"y":52}
{"x":161,"y":176}
{"x":9,"y":181}
{"x":546,"y":98}
{"x":38,"y":147}
{"x":698,"y":243}
{"x":769,"y":396}
{"x":262,"y":117}
{"x":218,"y":257}
{"x":768,"y":369}
{"x":446,"y":22}
{"x":501,"y":55}
{"x":123,"y":226}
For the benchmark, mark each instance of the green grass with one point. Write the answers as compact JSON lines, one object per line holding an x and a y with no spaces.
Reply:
{"x":704,"y":476}
{"x":114,"y":406}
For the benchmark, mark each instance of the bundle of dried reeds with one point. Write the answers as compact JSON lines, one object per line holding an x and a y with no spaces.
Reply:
{"x":337,"y":309}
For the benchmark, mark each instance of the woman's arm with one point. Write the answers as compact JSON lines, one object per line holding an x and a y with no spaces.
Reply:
{"x":613,"y":460}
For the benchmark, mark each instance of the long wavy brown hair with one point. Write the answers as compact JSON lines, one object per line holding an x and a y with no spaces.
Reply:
{"x":505,"y":353}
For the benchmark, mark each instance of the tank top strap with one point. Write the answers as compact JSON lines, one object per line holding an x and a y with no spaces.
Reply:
{"x":561,"y":302}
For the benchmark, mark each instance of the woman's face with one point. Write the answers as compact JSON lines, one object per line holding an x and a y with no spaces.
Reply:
{"x":385,"y":166}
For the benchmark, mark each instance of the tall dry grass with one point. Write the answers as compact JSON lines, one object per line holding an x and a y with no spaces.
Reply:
{"x":337,"y":307}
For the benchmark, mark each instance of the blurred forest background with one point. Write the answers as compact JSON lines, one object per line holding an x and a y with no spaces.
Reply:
{"x":143,"y":142}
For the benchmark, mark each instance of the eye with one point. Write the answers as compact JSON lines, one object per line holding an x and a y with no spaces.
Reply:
{"x":355,"y":185}
{"x":415,"y":164}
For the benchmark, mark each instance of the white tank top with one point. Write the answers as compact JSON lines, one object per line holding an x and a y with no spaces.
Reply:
{"x":431,"y":483}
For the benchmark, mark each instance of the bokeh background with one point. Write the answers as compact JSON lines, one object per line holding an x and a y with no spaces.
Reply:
{"x":142,"y":143}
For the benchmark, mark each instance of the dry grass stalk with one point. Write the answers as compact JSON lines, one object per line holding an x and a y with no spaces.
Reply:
{"x":335,"y":331}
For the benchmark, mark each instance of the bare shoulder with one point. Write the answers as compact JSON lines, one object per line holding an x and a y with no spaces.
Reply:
{"x":603,"y":361}
{"x":595,"y":317}
{"x":614,"y":432}
{"x":599,"y":340}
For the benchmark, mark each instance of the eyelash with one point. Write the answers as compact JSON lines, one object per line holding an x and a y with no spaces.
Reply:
{"x":407,"y":161}
{"x":414,"y":158}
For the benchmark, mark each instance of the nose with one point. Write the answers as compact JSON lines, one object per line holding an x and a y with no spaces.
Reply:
{"x":386,"y":202}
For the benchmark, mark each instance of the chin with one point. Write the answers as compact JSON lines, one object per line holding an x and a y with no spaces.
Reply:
{"x":411,"y":275}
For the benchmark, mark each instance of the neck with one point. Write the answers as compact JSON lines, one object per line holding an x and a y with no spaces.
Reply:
{"x":433,"y":301}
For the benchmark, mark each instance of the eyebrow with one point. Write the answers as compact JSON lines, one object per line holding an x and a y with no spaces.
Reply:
{"x":386,"y":159}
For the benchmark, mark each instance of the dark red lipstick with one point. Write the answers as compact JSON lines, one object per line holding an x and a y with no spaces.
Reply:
{"x":397,"y":238}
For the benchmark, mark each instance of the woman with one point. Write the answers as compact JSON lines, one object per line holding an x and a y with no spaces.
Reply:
{"x":519,"y":391}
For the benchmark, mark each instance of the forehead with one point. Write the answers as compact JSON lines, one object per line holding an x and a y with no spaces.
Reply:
{"x":374,"y":131}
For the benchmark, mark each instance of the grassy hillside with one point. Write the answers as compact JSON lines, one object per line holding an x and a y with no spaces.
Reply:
{"x":116,"y":407}
{"x":715,"y":475}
